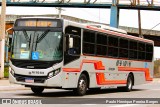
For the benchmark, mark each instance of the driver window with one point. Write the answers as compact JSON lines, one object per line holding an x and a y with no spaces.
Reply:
{"x":72,"y":48}
{"x":73,"y":40}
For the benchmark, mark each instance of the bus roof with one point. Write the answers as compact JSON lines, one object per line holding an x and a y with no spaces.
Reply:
{"x":38,"y":17}
{"x":105,"y":27}
{"x":98,"y":27}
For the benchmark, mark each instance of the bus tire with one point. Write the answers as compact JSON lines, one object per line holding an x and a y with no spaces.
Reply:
{"x":129,"y":84}
{"x":37,"y":90}
{"x":82,"y":85}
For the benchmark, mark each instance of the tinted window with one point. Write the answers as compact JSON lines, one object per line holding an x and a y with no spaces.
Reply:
{"x":112,"y":52}
{"x":133,"y":45}
{"x":149,"y":52}
{"x":101,"y":39}
{"x":149,"y":47}
{"x":149,"y":56}
{"x":123,"y":53}
{"x":101,"y":50}
{"x":133,"y":54}
{"x":141,"y":55}
{"x":89,"y":42}
{"x":112,"y":41}
{"x":141,"y":46}
{"x":88,"y":48}
{"x":89,"y":37}
{"x":123,"y":43}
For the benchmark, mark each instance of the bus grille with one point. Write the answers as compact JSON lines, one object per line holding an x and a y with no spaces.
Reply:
{"x":37,"y":79}
{"x":35,"y":64}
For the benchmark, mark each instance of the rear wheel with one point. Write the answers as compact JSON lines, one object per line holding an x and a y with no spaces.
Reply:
{"x":129,"y":84}
{"x":82,"y":85}
{"x":37,"y":90}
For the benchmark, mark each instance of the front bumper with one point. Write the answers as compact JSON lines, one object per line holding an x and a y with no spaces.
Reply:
{"x":38,"y":80}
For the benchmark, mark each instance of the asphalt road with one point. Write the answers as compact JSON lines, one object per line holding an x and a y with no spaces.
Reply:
{"x":93,"y":98}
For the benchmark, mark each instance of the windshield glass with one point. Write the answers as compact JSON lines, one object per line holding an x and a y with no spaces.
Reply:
{"x":37,"y":45}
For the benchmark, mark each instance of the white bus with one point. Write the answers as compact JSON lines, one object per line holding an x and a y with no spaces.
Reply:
{"x":57,"y":53}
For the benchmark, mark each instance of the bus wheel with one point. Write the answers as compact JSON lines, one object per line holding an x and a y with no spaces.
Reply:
{"x":37,"y":90}
{"x":82,"y":85}
{"x":129,"y":85}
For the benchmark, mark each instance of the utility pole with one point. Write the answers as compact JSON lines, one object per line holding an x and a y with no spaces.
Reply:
{"x":139,"y":21}
{"x":59,"y":12}
{"x":2,"y":37}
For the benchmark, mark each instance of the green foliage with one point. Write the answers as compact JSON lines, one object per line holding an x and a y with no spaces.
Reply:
{"x":157,"y":68}
{"x":6,"y":71}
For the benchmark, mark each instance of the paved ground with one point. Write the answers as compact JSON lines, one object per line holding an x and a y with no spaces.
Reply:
{"x":6,"y":85}
{"x":150,"y":90}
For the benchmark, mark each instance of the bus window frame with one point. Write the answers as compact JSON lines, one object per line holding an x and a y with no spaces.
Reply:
{"x":118,"y":47}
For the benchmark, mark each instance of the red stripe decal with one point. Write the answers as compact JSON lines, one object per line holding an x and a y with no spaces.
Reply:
{"x":97,"y":65}
{"x":71,"y":69}
{"x":145,"y":70}
{"x":102,"y":81}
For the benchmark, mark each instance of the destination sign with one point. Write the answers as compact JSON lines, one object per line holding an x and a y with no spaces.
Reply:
{"x":38,"y":23}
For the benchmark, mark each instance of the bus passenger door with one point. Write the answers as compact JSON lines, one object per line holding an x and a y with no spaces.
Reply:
{"x":72,"y":45}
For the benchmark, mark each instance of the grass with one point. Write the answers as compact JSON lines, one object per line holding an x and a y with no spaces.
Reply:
{"x":6,"y":71}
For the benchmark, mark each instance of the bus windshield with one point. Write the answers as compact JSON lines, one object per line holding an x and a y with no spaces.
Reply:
{"x":37,"y":45}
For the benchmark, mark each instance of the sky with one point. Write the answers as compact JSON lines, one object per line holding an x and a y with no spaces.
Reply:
{"x":127,"y":17}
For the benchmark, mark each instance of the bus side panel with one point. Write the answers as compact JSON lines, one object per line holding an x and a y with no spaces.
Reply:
{"x":151,"y":66}
{"x":70,"y":80}
{"x":89,"y":67}
{"x":139,"y":78}
{"x":108,"y":76}
{"x":70,"y":75}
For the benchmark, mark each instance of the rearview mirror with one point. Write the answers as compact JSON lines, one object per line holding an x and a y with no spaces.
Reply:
{"x":70,"y":42}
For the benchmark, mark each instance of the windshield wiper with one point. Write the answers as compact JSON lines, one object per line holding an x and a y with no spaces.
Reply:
{"x":26,"y":35}
{"x":42,"y":36}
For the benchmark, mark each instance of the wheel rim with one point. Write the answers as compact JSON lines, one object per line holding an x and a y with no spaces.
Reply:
{"x":82,"y":85}
{"x":129,"y":83}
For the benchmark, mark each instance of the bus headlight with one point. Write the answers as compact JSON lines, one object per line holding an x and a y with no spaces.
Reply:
{"x":54,"y":72}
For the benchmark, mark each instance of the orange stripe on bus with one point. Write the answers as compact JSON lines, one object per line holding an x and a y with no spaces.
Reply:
{"x":97,"y":65}
{"x":102,"y":81}
{"x":145,"y":70}
{"x":71,"y":69}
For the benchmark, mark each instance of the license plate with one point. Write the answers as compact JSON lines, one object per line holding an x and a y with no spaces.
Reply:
{"x":29,"y":80}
